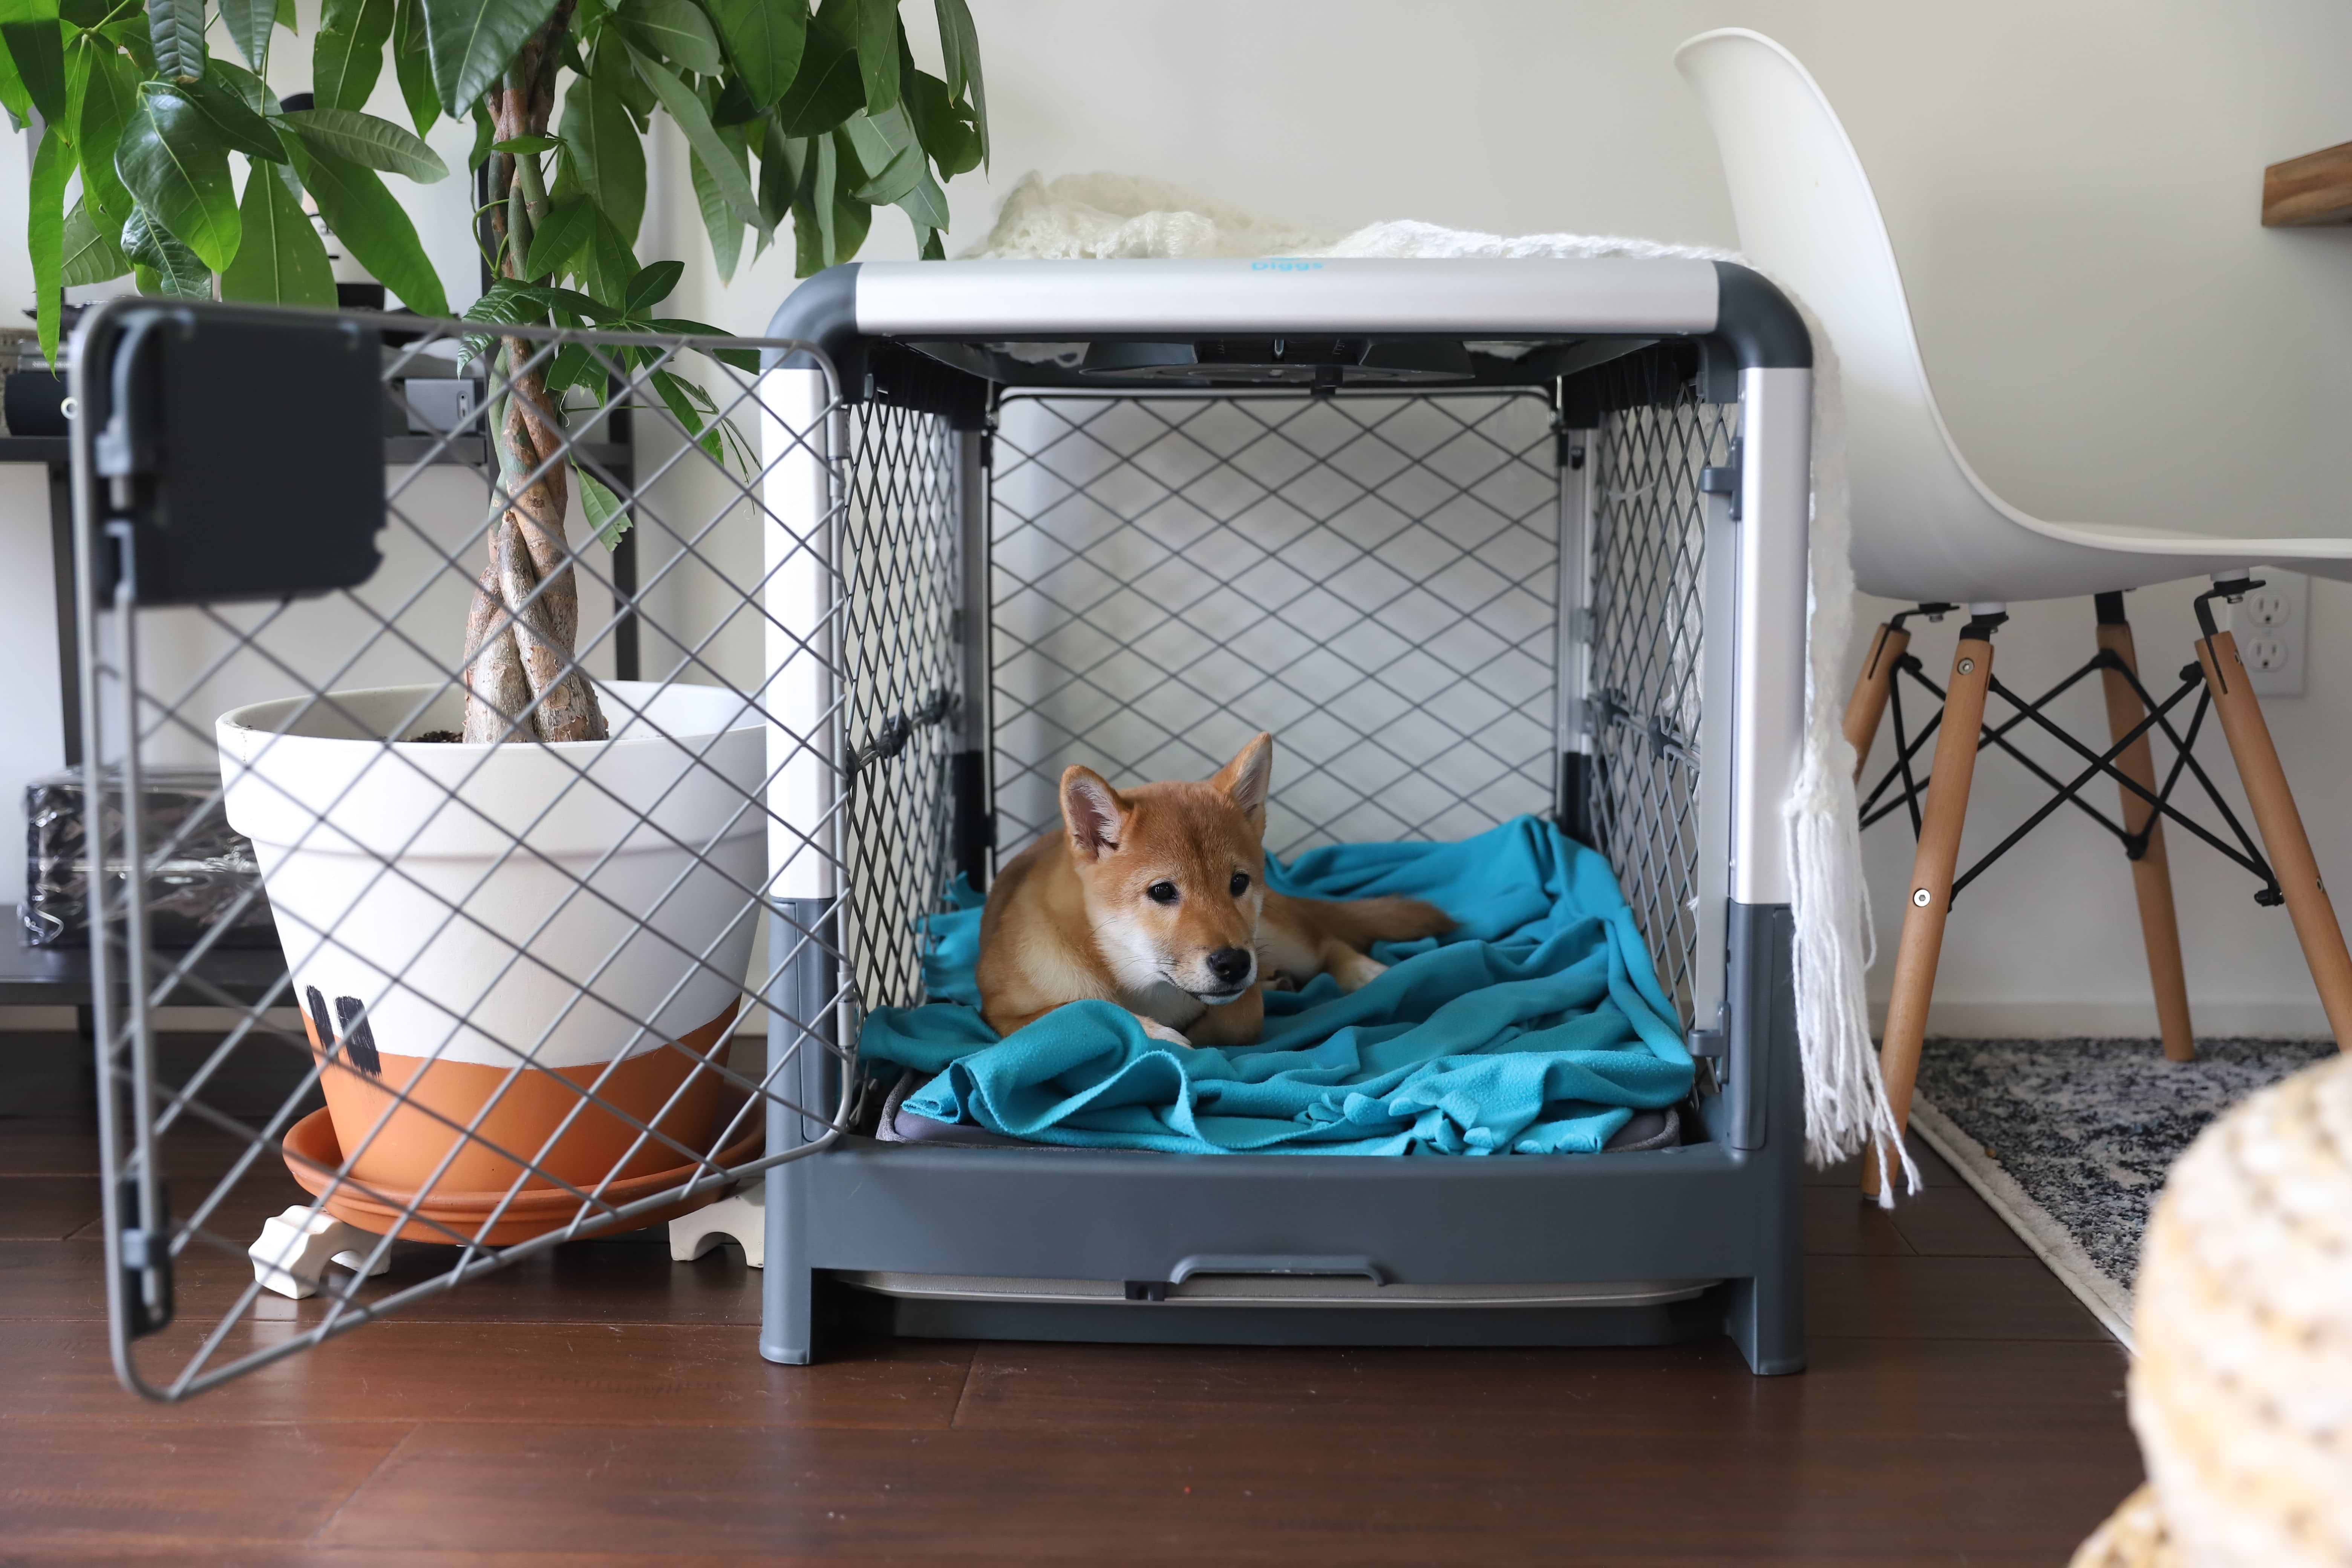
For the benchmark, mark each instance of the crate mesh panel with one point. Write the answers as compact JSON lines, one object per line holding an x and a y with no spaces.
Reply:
{"x":626,"y":941}
{"x":1374,"y":579}
{"x":899,"y":664}
{"x":1649,"y":531}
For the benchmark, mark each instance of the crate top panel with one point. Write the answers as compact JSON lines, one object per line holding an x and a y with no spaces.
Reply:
{"x":1306,"y":323}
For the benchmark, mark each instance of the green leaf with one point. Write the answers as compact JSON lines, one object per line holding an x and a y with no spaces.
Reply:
{"x":926,"y":204}
{"x":677,"y":30}
{"x":250,"y":23}
{"x":286,"y":17}
{"x":45,"y":233}
{"x":651,"y":286}
{"x":347,"y":56}
{"x":484,"y":132}
{"x":371,"y":142}
{"x":246,"y":88}
{"x":887,"y":152}
{"x":812,"y":211}
{"x":784,"y":168}
{"x":13,"y":96}
{"x":175,"y":164}
{"x":932,"y":249}
{"x":609,"y":264}
{"x":741,"y":358}
{"x":173,"y":268}
{"x":877,"y":53}
{"x":940,"y":125}
{"x":37,"y":45}
{"x":567,"y":226}
{"x":718,"y":220}
{"x":605,"y":513}
{"x":679,"y":396}
{"x":282,"y":260}
{"x":472,"y":42}
{"x":506,"y":303}
{"x":91,"y":252}
{"x":128,"y":34}
{"x":600,"y":142}
{"x":614,"y":70}
{"x":109,"y":90}
{"x":574,"y":303}
{"x":175,"y":29}
{"x":851,"y":220}
{"x":241,"y":129}
{"x":362,"y":213}
{"x":524,"y":146}
{"x":701,"y":135}
{"x":827,"y":90}
{"x":960,"y":49}
{"x":765,"y":39}
{"x":412,"y":63}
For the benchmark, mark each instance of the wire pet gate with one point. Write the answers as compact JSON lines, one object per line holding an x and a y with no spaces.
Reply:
{"x":841,"y":634}
{"x":516,"y":971}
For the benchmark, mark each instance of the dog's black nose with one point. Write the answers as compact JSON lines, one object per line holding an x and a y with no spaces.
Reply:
{"x":1229,"y":965}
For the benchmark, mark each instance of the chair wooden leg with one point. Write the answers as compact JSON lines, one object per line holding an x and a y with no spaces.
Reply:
{"x":2160,"y":928}
{"x":1868,"y":703}
{"x":1932,"y":868}
{"x":2280,"y":825}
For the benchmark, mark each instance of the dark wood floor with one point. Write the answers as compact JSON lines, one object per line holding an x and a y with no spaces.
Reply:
{"x":605,"y":1406}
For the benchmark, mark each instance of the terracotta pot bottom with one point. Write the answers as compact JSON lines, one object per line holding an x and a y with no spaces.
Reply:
{"x":313,"y":1156}
{"x":404,"y":1136}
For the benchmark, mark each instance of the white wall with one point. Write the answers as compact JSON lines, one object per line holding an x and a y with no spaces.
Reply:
{"x":2072,"y":191}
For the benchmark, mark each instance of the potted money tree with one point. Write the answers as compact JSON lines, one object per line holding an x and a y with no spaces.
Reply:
{"x":797,"y":118}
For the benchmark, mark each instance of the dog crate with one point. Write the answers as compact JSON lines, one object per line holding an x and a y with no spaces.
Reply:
{"x":1473,"y":539}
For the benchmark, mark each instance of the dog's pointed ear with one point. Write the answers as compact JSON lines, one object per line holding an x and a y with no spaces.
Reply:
{"x":1247,"y":778}
{"x":1092,"y":811}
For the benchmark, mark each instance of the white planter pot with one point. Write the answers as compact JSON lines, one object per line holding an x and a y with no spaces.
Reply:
{"x":449,"y":911}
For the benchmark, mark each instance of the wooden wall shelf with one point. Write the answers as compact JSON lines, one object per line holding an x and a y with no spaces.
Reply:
{"x":2316,"y":188}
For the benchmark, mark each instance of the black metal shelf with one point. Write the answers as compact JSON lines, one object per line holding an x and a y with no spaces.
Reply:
{"x":52,"y":976}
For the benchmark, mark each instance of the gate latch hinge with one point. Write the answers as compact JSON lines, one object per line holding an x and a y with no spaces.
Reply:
{"x":1723,"y":480}
{"x":1707,"y":1043}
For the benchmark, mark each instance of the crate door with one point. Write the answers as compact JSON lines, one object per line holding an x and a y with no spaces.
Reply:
{"x":479,"y":984}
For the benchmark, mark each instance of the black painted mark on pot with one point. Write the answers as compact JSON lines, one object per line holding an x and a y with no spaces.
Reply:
{"x":321,"y":1025}
{"x":359,"y":1042}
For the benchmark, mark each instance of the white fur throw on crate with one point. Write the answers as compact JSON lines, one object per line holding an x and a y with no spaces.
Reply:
{"x":1102,"y":216}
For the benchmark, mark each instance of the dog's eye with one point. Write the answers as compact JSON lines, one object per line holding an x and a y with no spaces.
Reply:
{"x":1241,"y":883}
{"x":1162,"y":893}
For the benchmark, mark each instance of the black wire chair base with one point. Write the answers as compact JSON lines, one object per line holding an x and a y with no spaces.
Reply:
{"x":1901,"y":787}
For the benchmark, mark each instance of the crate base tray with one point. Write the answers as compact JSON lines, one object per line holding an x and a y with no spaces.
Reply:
{"x":1267,"y":1290}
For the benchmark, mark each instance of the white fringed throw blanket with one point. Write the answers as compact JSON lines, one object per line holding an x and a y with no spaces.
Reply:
{"x":1102,"y":216}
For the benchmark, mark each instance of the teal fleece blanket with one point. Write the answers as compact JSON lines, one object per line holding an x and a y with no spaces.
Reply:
{"x":1536,"y":1027}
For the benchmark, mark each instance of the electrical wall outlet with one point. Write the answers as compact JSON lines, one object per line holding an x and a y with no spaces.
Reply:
{"x":2274,"y":627}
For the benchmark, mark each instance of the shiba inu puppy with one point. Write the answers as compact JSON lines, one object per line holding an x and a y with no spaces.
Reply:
{"x":1155,"y":897}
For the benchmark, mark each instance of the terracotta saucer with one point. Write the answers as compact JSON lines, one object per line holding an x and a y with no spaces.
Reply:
{"x":312,"y":1154}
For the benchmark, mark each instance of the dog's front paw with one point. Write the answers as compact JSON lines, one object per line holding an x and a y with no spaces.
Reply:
{"x":1159,"y":1031}
{"x":1357,"y":970}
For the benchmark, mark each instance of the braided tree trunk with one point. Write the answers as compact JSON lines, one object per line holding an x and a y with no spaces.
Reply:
{"x":522,"y":637}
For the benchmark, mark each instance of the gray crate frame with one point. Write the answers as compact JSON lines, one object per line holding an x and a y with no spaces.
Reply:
{"x":1716,"y":1220}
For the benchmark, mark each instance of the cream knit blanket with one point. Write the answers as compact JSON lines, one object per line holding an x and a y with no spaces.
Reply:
{"x":1100,"y":216}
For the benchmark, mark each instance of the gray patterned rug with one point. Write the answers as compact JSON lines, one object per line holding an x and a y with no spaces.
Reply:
{"x":2085,"y":1131}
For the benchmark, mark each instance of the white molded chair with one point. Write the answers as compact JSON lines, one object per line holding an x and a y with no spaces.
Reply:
{"x":1928,"y":530}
